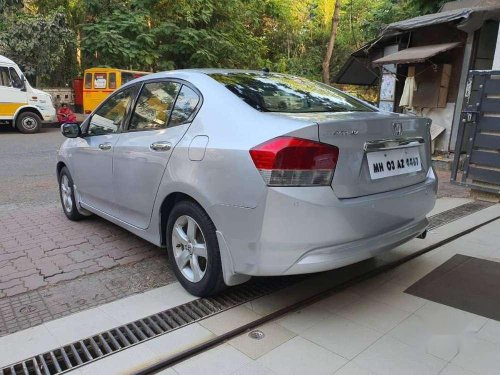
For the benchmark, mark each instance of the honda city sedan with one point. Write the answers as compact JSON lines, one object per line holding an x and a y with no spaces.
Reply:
{"x":247,"y":173}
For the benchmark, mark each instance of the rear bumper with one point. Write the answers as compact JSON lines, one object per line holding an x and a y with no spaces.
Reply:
{"x":336,"y":256}
{"x":305,"y":230}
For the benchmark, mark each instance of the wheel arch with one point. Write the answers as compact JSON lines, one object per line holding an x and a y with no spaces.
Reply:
{"x":26,"y":108}
{"x":230,"y":277}
{"x":59,"y":167}
{"x":166,"y":207}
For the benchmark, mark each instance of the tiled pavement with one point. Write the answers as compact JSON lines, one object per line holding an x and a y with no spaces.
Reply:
{"x":372,"y":327}
{"x":40,"y":247}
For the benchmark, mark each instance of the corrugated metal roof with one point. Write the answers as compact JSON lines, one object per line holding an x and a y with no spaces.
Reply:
{"x":450,"y":5}
{"x":415,"y":54}
{"x":469,"y":19}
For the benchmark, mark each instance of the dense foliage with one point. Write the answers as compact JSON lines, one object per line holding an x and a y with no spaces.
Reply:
{"x":39,"y":44}
{"x":54,"y":40}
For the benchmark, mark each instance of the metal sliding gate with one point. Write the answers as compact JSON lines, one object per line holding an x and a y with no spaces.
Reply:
{"x":479,"y":134}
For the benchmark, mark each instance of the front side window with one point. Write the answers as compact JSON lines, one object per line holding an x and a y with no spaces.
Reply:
{"x":184,"y":107}
{"x":88,"y":80}
{"x":271,"y":92}
{"x":109,"y":117}
{"x":4,"y":77}
{"x":154,"y":105}
{"x":17,"y":82}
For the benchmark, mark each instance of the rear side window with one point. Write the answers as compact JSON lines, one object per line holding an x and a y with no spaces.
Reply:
{"x":112,"y":80}
{"x":154,"y":105}
{"x":88,"y":80}
{"x":4,"y":76}
{"x":284,"y":93}
{"x":17,"y":82}
{"x":184,"y":108}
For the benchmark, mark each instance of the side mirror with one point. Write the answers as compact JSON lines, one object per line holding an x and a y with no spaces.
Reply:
{"x":71,"y":130}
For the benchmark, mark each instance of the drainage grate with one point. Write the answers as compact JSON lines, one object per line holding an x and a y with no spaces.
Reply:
{"x":90,"y":349}
{"x":456,"y":213}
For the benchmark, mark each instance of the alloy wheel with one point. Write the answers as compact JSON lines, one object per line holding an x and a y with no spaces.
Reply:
{"x":67,"y":198}
{"x":189,"y":248}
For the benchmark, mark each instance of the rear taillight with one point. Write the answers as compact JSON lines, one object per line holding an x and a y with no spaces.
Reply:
{"x":289,"y":161}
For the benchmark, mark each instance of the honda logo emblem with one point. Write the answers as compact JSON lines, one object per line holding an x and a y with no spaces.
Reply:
{"x":397,"y":128}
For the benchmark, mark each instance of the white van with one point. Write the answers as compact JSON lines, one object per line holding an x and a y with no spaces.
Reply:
{"x":21,"y":105}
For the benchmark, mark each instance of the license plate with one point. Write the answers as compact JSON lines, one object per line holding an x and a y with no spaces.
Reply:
{"x":394,"y":162}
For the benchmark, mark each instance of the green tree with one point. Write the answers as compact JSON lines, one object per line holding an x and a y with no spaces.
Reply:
{"x":388,"y":11}
{"x":201,"y":33}
{"x":7,"y":5}
{"x":38,"y":44}
{"x":284,"y":35}
{"x":122,"y":39}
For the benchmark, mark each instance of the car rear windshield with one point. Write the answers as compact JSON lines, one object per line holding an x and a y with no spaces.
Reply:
{"x":271,"y":92}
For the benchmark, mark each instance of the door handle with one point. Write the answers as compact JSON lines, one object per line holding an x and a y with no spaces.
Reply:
{"x":105,"y":146}
{"x":161,"y":146}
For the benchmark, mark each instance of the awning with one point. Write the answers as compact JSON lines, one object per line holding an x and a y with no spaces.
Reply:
{"x":415,"y":54}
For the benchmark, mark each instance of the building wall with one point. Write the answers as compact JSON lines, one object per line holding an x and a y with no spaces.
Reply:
{"x":485,"y":53}
{"x":486,"y":42}
{"x":437,"y":34}
{"x":61,"y":95}
{"x":441,"y":117}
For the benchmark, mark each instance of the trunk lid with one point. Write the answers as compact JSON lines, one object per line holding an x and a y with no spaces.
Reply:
{"x":358,"y":134}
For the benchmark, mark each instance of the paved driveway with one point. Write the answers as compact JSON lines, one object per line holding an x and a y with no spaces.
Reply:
{"x":39,"y":247}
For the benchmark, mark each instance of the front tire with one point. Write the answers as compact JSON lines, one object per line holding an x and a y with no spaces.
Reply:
{"x":67,"y":194}
{"x":193,"y":250}
{"x":28,"y":123}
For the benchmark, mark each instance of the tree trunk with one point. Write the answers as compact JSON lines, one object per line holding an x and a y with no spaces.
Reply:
{"x":331,"y":42}
{"x":78,"y":49}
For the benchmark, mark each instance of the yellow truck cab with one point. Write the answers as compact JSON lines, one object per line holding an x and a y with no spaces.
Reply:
{"x":21,"y":105}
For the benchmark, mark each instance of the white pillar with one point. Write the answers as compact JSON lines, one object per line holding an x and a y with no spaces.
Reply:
{"x":466,"y":64}
{"x":496,"y":58}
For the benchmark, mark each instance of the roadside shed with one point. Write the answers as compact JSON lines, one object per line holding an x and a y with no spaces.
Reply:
{"x":421,"y":64}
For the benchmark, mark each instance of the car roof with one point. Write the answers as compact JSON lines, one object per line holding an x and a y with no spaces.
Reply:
{"x":188,"y":74}
{"x":221,"y":71}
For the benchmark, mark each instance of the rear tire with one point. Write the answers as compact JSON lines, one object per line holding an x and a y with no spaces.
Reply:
{"x":67,"y":194}
{"x":193,"y":250}
{"x":28,"y":123}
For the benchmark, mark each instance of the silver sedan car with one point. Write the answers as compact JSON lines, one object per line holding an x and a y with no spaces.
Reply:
{"x":247,"y":173}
